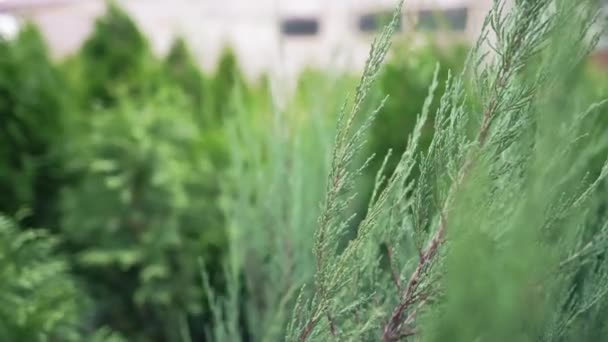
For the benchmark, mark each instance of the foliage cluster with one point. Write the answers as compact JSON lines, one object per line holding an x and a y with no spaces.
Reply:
{"x":176,"y":205}
{"x":487,"y":225}
{"x":118,"y":155}
{"x":33,"y":108}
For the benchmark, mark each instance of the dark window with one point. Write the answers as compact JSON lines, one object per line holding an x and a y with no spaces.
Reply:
{"x":300,"y":27}
{"x":451,"y":19}
{"x":372,"y":22}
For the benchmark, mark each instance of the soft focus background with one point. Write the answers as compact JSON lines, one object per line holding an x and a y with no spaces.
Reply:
{"x":129,"y":132}
{"x":278,"y":36}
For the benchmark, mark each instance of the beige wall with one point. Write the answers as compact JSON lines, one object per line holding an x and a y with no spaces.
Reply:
{"x":64,"y":25}
{"x":251,"y":27}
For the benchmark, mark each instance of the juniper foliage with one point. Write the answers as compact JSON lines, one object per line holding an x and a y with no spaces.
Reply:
{"x":271,"y":208}
{"x":493,"y":232}
{"x":499,"y":208}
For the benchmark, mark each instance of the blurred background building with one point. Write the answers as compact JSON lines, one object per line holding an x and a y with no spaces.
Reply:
{"x":267,"y":35}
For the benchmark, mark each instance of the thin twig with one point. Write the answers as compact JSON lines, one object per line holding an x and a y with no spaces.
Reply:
{"x":394,"y":276}
{"x":409,"y":295}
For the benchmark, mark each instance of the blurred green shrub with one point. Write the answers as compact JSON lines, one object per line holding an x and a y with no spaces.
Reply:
{"x":274,"y":184}
{"x":161,"y":137}
{"x":405,"y":80}
{"x":181,"y":69}
{"x":40,"y":301}
{"x":114,"y":60}
{"x":147,"y":170}
{"x":144,"y":212}
{"x":227,"y":79}
{"x":33,"y":109}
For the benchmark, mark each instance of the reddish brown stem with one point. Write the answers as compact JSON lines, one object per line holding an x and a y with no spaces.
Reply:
{"x":394,"y":276}
{"x":332,"y":325}
{"x":307,"y":329}
{"x":390,"y":331}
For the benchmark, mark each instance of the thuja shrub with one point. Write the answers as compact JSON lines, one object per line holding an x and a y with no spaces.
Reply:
{"x":491,"y":233}
{"x":40,"y":300}
{"x":227,"y":79}
{"x":144,"y":212}
{"x":114,"y":60}
{"x":33,"y":112}
{"x":182,"y":70}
